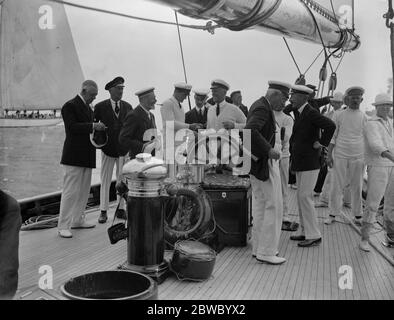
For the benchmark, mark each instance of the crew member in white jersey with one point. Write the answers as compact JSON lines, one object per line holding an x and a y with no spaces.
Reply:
{"x":346,"y":155}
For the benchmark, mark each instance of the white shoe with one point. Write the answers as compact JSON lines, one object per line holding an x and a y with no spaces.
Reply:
{"x":329,"y":220}
{"x":83,"y":225}
{"x":254,"y":255}
{"x":271,"y":259}
{"x":293,"y":186}
{"x":364,"y":245}
{"x":65,"y":233}
{"x":316,"y":194}
{"x":321,"y":204}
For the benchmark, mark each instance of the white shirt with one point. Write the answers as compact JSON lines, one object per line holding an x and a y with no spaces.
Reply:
{"x":228,"y":112}
{"x":302,"y":108}
{"x":379,"y":137}
{"x":283,"y":121}
{"x":330,"y":114}
{"x":348,"y":137}
{"x":171,"y":110}
{"x":113,"y":104}
{"x":82,"y":99}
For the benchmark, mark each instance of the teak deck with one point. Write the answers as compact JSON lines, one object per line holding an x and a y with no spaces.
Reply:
{"x":309,"y":273}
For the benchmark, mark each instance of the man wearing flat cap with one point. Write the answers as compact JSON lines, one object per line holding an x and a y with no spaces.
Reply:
{"x":379,"y":157}
{"x":223,"y":114}
{"x":112,"y":112}
{"x":346,"y":155}
{"x":267,"y":205}
{"x":199,"y":113}
{"x":236,"y":97}
{"x":138,"y":133}
{"x":311,"y":131}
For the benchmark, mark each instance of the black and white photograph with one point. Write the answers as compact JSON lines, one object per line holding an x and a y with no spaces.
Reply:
{"x":201,"y":154}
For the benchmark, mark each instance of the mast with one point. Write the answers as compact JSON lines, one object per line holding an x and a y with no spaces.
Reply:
{"x":1,"y":45}
{"x":389,"y":16}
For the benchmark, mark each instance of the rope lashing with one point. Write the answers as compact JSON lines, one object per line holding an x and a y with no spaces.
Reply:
{"x":332,"y":83}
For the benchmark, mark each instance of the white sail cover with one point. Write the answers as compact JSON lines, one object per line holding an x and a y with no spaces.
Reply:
{"x":40,"y":68}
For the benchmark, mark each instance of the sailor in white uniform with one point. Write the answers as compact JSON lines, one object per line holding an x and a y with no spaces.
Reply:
{"x":346,"y":155}
{"x":173,"y":118}
{"x":379,"y":157}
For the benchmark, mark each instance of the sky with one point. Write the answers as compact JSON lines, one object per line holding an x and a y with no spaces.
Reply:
{"x":148,"y":54}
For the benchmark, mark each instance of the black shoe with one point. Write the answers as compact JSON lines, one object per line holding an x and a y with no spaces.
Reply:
{"x":289,"y":226}
{"x":297,"y":238}
{"x":103,"y":217}
{"x":310,"y":243}
{"x":121,"y":214}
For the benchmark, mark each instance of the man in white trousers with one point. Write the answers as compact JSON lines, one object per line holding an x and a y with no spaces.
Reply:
{"x":336,"y":103}
{"x":311,"y":131}
{"x":267,"y":204}
{"x":78,"y":159}
{"x":112,"y":112}
{"x":346,"y":155}
{"x":379,"y":157}
{"x":284,"y":126}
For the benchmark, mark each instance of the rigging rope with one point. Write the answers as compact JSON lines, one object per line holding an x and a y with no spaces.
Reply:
{"x":208,"y":27}
{"x":335,"y":16}
{"x":182,"y":55}
{"x":291,"y":53}
{"x":320,"y":35}
{"x":313,"y":61}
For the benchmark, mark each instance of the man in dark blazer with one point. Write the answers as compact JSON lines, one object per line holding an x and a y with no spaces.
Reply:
{"x":236,"y":96}
{"x":199,"y":113}
{"x":78,"y":158}
{"x":267,"y":204}
{"x":139,"y":133}
{"x":311,"y":131}
{"x":112,"y":112}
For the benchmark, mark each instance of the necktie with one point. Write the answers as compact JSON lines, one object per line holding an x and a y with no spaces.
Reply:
{"x":152,"y":121}
{"x":217,"y":110}
{"x":117,"y":109}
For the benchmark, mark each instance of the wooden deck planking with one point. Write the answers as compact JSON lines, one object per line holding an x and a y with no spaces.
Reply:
{"x":374,"y":270}
{"x":224,"y":279}
{"x":358,"y":286}
{"x":283,"y":284}
{"x":385,"y":269}
{"x":251,"y":272}
{"x":285,"y":250}
{"x":309,"y":273}
{"x":220,"y":276}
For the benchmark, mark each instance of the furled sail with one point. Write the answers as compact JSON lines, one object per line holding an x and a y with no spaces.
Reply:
{"x":316,"y":21}
{"x":40,"y":68}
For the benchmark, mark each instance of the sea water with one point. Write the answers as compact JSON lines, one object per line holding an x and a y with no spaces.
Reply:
{"x":30,"y":161}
